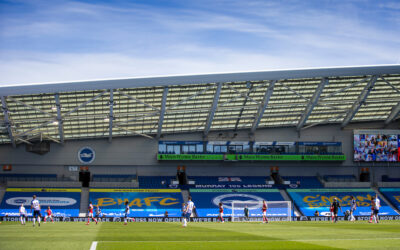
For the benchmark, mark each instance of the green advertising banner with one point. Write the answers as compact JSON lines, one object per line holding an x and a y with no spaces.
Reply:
{"x":248,"y":157}
{"x":190,"y":157}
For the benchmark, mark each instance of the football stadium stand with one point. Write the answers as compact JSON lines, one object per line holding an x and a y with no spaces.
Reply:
{"x":28,"y":177}
{"x":303,"y":181}
{"x":207,"y":200}
{"x":113,"y":178}
{"x":155,"y":181}
{"x":142,"y":202}
{"x":63,"y":202}
{"x":311,"y":200}
{"x":230,"y":182}
{"x":393,"y":195}
{"x":340,"y":178}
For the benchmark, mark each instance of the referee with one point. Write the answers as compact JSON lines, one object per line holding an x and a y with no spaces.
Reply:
{"x":336,"y":206}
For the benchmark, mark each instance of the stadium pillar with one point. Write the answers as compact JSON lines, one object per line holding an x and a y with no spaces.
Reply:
{"x":162,"y":112}
{"x":213,"y":109}
{"x":263,"y":106}
{"x":360,"y":101}
{"x":7,"y":121}
{"x":111,"y":116}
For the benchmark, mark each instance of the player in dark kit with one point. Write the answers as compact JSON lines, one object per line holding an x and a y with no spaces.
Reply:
{"x":246,"y":213}
{"x":98,"y":213}
{"x":335,"y":208}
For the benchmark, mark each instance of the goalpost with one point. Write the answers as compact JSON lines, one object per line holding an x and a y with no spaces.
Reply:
{"x":275,"y":209}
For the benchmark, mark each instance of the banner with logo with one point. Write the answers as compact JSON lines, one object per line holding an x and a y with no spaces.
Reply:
{"x":201,"y":219}
{"x":248,"y":157}
{"x":63,"y":202}
{"x":311,"y":200}
{"x":207,"y":200}
{"x":142,"y":202}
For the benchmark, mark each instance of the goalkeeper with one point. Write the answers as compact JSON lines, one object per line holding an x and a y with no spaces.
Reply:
{"x":246,"y":213}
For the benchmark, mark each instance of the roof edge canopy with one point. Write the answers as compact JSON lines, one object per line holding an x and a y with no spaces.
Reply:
{"x":197,"y":79}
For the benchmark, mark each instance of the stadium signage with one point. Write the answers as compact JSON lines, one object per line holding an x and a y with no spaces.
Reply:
{"x":201,"y":219}
{"x":86,"y":155}
{"x":248,"y":157}
{"x":319,"y":200}
{"x":44,"y":201}
{"x":147,"y":201}
{"x":233,"y":186}
{"x":227,"y":199}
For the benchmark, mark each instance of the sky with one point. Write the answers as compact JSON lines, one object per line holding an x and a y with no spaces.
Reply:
{"x":45,"y":41}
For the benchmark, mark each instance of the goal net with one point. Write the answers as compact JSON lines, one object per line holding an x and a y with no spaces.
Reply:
{"x":281,"y":209}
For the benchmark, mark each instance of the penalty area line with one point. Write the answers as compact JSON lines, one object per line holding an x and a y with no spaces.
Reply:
{"x":94,"y":245}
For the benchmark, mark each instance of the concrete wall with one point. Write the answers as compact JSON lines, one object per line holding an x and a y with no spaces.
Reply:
{"x":137,"y":155}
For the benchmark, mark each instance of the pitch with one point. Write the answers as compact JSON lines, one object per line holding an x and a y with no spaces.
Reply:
{"x":141,"y":235}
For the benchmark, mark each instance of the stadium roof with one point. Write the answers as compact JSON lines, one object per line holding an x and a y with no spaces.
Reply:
{"x":151,"y":107}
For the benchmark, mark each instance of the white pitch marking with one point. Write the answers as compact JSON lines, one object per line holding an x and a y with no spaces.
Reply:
{"x":94,"y":245}
{"x":396,"y":238}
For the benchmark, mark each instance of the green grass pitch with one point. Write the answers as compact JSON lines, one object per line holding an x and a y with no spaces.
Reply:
{"x":205,"y":235}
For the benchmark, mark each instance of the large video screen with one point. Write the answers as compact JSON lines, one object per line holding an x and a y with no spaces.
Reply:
{"x":377,"y":145}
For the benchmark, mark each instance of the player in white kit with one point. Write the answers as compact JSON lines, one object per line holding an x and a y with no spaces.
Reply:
{"x":376,"y":209}
{"x":35,"y":205}
{"x":22,"y":214}
{"x":127,"y":211}
{"x":189,"y":209}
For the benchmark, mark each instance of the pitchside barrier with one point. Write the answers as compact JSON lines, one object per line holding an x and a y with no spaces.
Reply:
{"x":203,"y":219}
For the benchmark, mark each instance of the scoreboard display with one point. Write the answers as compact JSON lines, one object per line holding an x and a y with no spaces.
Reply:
{"x":377,"y":145}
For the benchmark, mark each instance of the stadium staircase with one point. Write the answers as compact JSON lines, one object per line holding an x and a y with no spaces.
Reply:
{"x":376,"y":189}
{"x":185,"y":195}
{"x":84,"y":202}
{"x":286,"y":196}
{"x":2,"y":192}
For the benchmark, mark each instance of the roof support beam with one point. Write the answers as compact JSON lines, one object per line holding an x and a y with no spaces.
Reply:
{"x":189,"y":98}
{"x":31,"y":107}
{"x":111,"y":116}
{"x":324,"y":121}
{"x":86,"y":103}
{"x":32,"y":129}
{"x":240,"y":95}
{"x":162,"y":112}
{"x":395,"y":112}
{"x":311,"y":104}
{"x":391,"y":85}
{"x":262,"y":107}
{"x":344,"y":89}
{"x":213,"y":109}
{"x":293,"y":91}
{"x":59,"y":118}
{"x":7,"y":120}
{"x":360,"y":101}
{"x":137,"y":100}
{"x":250,"y":86}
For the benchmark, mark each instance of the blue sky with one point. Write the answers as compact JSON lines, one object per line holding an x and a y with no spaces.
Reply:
{"x":57,"y":41}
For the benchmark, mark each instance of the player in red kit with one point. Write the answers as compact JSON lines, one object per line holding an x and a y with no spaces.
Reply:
{"x":332,"y":214}
{"x":90,"y":214}
{"x":49,"y":215}
{"x":372,"y":209}
{"x":221,"y":212}
{"x":264,"y":212}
